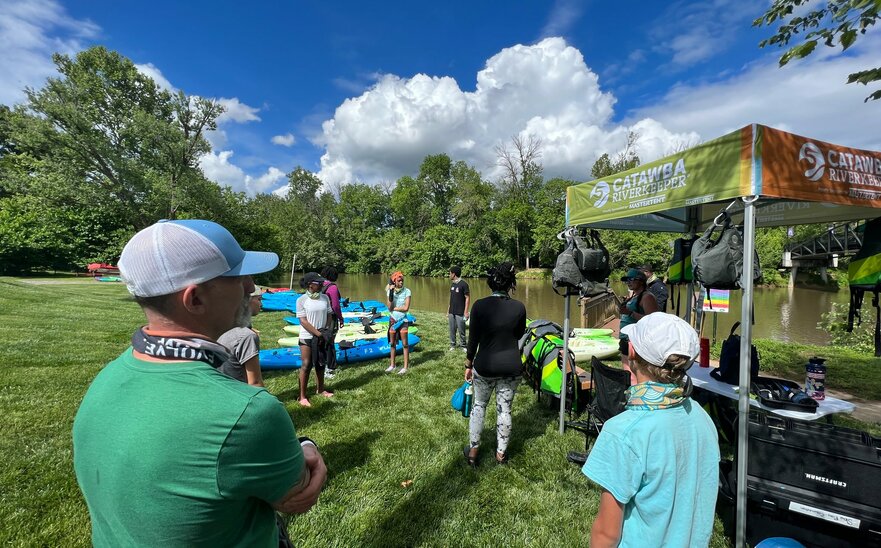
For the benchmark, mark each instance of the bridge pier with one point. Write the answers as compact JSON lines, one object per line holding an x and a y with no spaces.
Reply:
{"x":792,"y":274}
{"x":824,"y":275}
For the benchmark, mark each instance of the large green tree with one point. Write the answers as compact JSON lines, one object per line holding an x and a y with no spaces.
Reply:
{"x":134,"y":141}
{"x":97,"y":153}
{"x":835,"y":23}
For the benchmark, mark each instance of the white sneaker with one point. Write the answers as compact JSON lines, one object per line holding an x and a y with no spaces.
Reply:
{"x":329,"y":374}
{"x":390,"y":369}
{"x":452,"y":348}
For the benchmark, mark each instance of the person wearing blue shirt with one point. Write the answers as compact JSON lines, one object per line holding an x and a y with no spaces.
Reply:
{"x":657,"y":461}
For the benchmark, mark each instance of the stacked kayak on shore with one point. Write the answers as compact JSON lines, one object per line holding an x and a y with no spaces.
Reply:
{"x":279,"y":301}
{"x":363,"y":306}
{"x":363,"y":350}
{"x":287,"y":300}
{"x":355,"y":320}
{"x":601,"y":347}
{"x":344,"y":336}
{"x":590,"y":333}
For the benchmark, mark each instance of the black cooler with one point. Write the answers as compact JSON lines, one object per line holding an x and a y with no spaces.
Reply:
{"x":817,"y":483}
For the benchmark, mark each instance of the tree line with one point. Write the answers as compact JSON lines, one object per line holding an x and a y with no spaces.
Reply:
{"x":101,"y":151}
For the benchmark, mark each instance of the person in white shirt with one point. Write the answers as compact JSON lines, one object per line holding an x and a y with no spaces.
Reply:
{"x":315,"y":315}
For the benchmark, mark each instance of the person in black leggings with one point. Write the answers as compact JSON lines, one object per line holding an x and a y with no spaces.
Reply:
{"x":493,"y":359}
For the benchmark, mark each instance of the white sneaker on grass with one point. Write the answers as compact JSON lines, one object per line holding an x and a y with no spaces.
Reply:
{"x":390,"y":369}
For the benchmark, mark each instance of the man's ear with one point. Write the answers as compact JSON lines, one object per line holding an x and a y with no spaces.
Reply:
{"x":193,"y":299}
{"x":631,"y":353}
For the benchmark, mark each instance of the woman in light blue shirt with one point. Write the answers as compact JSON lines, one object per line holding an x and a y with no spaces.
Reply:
{"x":657,"y":462}
{"x":398,"y":305}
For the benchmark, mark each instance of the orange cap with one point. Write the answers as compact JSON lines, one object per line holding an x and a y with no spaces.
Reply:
{"x":396,"y":275}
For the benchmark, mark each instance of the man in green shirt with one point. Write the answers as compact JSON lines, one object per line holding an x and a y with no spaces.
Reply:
{"x":169,"y":451}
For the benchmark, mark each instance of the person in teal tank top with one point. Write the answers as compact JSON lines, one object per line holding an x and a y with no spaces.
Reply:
{"x":657,"y":462}
{"x":639,"y":303}
{"x":399,"y":306}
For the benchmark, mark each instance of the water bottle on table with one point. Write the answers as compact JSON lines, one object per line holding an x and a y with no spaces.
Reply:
{"x":815,"y":379}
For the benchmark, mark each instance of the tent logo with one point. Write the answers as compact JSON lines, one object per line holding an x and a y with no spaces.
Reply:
{"x":814,"y":156}
{"x":601,"y":193}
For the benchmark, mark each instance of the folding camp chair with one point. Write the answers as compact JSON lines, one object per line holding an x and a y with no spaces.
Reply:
{"x":608,"y":395}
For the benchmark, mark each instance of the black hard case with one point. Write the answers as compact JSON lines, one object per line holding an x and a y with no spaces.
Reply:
{"x":817,"y":483}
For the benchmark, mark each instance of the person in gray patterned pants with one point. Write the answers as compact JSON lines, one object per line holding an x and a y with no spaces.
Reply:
{"x":493,"y":361}
{"x":505,"y":388}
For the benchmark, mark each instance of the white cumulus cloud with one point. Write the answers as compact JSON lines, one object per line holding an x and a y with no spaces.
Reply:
{"x":545,"y":90}
{"x":286,"y":140}
{"x":30,"y":32}
{"x":152,"y":71}
{"x":218,"y":168}
{"x":807,"y":97}
{"x":236,"y":111}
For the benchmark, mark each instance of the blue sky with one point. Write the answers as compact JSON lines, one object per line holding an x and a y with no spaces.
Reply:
{"x":359,"y":91}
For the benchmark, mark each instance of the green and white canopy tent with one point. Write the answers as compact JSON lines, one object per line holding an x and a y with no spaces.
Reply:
{"x":779,"y":179}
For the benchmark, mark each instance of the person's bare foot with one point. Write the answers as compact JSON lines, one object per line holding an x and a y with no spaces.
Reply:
{"x":304,"y":402}
{"x":326,"y":393}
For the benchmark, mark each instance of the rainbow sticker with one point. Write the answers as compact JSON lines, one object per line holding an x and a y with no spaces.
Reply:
{"x":717,"y":301}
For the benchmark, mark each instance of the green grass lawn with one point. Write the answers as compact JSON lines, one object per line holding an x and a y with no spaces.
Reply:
{"x":378,"y":432}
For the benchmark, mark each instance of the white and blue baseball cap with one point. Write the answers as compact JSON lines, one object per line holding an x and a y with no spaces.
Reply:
{"x":657,"y":336}
{"x":170,"y":255}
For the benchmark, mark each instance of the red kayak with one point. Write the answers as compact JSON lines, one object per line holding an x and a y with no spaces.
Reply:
{"x":102,"y":269}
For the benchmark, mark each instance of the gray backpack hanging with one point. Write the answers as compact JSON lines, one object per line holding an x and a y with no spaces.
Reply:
{"x":718,"y":264}
{"x":583,"y":265}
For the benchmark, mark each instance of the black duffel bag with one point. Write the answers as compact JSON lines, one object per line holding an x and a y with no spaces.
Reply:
{"x":729,"y":359}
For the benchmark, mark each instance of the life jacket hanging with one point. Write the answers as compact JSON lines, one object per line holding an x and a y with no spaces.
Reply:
{"x":864,"y":275}
{"x":679,"y":272}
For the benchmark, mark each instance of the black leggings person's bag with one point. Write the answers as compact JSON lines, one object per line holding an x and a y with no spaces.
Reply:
{"x":729,"y":359}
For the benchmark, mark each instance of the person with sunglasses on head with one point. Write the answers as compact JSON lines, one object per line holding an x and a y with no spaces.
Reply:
{"x":657,"y":462}
{"x":399,"y":306}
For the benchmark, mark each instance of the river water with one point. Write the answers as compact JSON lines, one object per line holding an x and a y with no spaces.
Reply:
{"x":782,"y":314}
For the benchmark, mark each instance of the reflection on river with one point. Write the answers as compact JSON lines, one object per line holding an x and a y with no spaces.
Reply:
{"x":780,"y":313}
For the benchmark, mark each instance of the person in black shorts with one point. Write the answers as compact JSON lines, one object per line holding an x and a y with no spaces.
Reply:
{"x":457,"y":312}
{"x":493,"y":359}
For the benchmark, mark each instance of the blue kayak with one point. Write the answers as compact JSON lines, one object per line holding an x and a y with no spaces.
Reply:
{"x":364,"y":350}
{"x":293,"y":320}
{"x":363,"y":306}
{"x":287,"y":300}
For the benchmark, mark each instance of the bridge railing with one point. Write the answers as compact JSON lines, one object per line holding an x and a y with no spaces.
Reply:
{"x":841,"y":239}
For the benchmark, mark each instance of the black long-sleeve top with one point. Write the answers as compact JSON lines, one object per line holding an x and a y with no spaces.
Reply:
{"x":497,"y":323}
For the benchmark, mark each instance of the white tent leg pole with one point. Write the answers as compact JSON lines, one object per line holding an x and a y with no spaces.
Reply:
{"x":566,"y":363}
{"x":293,"y":265}
{"x":746,"y":339}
